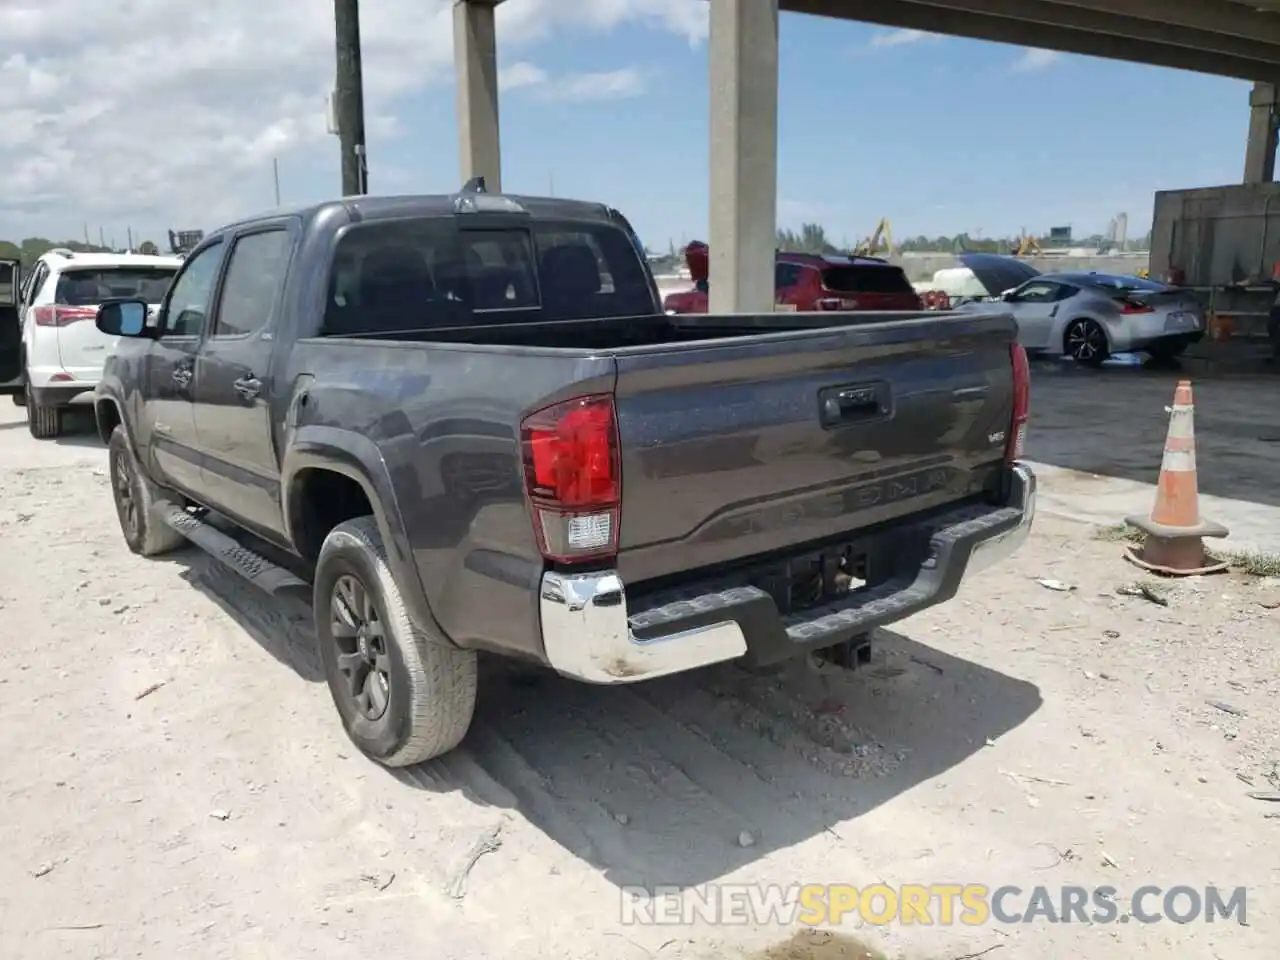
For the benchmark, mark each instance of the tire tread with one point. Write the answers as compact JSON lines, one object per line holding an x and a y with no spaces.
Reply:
{"x":442,"y":679}
{"x":157,"y":536}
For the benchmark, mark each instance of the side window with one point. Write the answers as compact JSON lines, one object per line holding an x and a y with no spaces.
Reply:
{"x":35,"y":282}
{"x":189,"y":297}
{"x":785,"y":276}
{"x":1037,"y":293}
{"x":255,"y":276}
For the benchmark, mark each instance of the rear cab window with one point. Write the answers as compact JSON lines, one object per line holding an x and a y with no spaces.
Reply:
{"x":90,"y":286}
{"x":866,"y":278}
{"x":415,"y":275}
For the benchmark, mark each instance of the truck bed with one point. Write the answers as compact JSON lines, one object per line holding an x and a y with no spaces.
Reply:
{"x":735,"y":444}
{"x":656,"y":330}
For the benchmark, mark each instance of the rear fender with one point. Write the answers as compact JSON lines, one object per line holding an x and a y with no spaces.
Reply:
{"x":357,"y":457}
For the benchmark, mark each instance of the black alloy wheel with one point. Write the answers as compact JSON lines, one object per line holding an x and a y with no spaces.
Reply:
{"x":1086,"y":343}
{"x":361,"y":640}
{"x":127,"y":506}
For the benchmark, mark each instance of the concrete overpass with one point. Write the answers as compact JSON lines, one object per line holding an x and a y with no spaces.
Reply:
{"x":1230,"y":38}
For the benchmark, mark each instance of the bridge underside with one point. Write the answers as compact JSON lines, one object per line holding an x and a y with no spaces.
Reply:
{"x":1227,"y":38}
{"x":1230,"y":38}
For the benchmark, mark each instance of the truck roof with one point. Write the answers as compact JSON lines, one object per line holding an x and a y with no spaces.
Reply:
{"x":367,"y":208}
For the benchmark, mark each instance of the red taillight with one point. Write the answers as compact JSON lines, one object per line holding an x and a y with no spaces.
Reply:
{"x":1021,"y":403}
{"x":573,"y":476}
{"x":56,"y":315}
{"x":1135,"y":306}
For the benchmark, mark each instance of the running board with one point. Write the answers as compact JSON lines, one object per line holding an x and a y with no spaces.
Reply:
{"x":254,"y":567}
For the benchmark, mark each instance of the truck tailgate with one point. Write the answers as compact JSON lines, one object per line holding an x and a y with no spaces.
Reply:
{"x":738,"y":448}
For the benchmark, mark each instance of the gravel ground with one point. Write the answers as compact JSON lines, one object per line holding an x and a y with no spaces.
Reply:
{"x":176,"y":783}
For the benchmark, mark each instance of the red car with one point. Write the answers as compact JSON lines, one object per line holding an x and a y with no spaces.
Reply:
{"x":810,"y":281}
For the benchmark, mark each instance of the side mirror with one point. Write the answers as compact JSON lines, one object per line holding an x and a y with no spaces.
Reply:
{"x":1007,"y":295}
{"x":124,"y":318}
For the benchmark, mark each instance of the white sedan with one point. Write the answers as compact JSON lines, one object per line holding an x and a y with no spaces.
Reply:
{"x":1090,"y":316}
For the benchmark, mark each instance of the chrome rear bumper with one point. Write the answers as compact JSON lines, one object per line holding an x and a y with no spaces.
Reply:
{"x":588,"y":633}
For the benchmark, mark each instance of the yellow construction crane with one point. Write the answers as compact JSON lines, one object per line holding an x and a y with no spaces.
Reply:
{"x":1028,"y":246}
{"x":879,"y":243}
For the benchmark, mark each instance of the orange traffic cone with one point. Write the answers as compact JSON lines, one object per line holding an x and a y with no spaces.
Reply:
{"x":1175,"y":528}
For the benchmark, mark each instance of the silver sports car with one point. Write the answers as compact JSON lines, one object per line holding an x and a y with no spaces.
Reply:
{"x":1090,"y":316}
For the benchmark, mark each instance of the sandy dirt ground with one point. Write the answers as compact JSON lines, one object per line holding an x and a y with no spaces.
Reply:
{"x":175,"y":782}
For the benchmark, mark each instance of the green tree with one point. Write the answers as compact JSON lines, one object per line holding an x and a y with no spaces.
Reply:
{"x":810,"y":238}
{"x":30,"y":249}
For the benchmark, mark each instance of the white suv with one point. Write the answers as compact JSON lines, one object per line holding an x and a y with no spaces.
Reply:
{"x":62,"y":349}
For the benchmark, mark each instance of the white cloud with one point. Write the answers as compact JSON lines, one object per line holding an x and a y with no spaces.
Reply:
{"x":901,"y":38}
{"x":594,"y":87}
{"x":607,"y":85}
{"x":573,"y":87}
{"x":160,"y":108}
{"x":519,"y":75}
{"x":1036,"y":59}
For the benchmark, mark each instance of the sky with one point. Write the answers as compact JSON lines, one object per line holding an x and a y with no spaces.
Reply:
{"x":157,"y":114}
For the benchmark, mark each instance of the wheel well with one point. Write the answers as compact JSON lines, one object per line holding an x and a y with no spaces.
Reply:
{"x":107,"y":417}
{"x":320,"y":500}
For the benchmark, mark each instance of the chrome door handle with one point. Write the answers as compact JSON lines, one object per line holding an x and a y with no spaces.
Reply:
{"x":248,"y":387}
{"x":182,"y":376}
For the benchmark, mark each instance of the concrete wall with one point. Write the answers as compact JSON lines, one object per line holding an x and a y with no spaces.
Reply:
{"x":1217,"y":235}
{"x":1226,"y":239}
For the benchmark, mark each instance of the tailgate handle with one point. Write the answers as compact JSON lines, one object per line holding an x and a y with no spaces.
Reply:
{"x":841,"y":405}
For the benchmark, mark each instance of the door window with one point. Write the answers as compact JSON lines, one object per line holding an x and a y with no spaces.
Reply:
{"x":35,"y":282}
{"x":191,"y":292}
{"x":785,"y":276}
{"x":1037,"y":293}
{"x":255,"y":277}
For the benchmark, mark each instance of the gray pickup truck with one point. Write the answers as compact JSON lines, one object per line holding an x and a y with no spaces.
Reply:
{"x":463,"y":423}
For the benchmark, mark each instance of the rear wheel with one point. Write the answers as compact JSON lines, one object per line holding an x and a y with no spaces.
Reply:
{"x":404,"y":697}
{"x":45,"y":423}
{"x":1085,"y":342}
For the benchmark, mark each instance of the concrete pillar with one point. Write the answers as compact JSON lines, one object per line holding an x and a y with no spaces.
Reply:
{"x":475,"y":55}
{"x":744,"y":154}
{"x":1260,"y":153}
